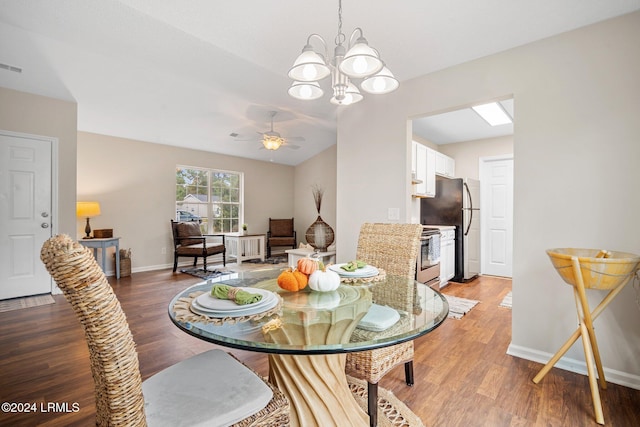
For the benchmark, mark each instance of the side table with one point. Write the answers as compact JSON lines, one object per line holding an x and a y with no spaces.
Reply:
{"x":245,"y":246}
{"x":295,"y":254}
{"x":103,"y":244}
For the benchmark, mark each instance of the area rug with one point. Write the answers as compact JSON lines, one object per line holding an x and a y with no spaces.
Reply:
{"x":26,"y":302}
{"x":458,"y":307}
{"x":506,"y":302}
{"x":391,"y":411}
{"x":272,"y":260}
{"x":206,"y":274}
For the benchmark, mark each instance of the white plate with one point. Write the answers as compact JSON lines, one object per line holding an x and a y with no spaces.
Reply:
{"x":207,"y":301}
{"x":366,"y":271}
{"x":245,"y":311}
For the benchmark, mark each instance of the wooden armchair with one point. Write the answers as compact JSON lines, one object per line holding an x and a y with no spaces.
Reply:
{"x":281,"y":233}
{"x":188,"y":241}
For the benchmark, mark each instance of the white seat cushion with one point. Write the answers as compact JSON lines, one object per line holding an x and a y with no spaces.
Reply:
{"x":209,"y":389}
{"x":379,"y":318}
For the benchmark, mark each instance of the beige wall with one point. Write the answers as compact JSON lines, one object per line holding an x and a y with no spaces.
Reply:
{"x":467,"y":154}
{"x":576,"y":152}
{"x":134,"y":182}
{"x":39,"y":115}
{"x":319,"y":170}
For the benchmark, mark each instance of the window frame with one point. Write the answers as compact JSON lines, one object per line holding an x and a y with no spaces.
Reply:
{"x":210,"y":204}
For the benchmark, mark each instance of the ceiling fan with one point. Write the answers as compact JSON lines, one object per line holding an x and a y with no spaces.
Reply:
{"x":271,"y":140}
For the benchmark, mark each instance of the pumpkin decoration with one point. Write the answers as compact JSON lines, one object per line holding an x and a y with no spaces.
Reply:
{"x":307,"y":265}
{"x":292,"y":280}
{"x":324,"y":280}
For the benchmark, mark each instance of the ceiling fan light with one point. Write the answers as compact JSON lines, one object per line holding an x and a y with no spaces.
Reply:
{"x":381,"y":83}
{"x":306,"y":91}
{"x":309,"y":66}
{"x":272,"y":142}
{"x":361,"y":60}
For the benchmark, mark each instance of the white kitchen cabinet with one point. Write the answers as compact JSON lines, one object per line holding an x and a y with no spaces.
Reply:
{"x":447,"y":256}
{"x":421,"y":168}
{"x":445,"y":165}
{"x":414,"y":147}
{"x":423,"y":164}
{"x":430,"y":179}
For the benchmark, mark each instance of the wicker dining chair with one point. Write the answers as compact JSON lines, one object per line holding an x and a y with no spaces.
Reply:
{"x":211,"y":388}
{"x":394,"y":248}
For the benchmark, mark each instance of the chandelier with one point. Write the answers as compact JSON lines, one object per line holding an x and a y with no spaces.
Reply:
{"x":358,"y":61}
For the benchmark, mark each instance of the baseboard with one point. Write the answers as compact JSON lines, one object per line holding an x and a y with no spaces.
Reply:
{"x":577,"y":366}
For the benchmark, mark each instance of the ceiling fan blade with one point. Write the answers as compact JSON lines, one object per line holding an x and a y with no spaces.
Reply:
{"x":242,"y":137}
{"x":294,"y":138}
{"x":291,"y":146}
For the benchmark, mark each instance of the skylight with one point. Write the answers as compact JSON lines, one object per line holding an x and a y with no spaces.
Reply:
{"x":493,"y":113}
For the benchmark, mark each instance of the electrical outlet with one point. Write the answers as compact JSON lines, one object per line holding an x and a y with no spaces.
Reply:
{"x":163,"y":251}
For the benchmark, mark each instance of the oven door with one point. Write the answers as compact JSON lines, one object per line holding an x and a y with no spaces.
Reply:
{"x":429,"y":251}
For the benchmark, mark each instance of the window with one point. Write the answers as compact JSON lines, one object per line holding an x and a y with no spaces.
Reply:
{"x":211,"y":197}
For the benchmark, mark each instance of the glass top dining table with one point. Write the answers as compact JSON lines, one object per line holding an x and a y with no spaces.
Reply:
{"x":308,"y":334}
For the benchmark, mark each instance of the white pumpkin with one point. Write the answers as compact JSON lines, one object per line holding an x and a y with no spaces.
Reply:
{"x":324,"y":280}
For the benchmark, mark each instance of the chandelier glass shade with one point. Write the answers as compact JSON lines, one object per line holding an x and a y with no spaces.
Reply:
{"x":359,"y":61}
{"x":272,"y":142}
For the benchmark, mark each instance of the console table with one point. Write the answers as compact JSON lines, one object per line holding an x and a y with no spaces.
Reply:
{"x":295,"y":254}
{"x":103,"y":244}
{"x":245,"y":246}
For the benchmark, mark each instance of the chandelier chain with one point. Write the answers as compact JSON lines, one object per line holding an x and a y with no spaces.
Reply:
{"x":340,"y":38}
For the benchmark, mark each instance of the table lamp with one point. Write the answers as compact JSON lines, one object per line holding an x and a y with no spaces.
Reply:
{"x":87,"y":210}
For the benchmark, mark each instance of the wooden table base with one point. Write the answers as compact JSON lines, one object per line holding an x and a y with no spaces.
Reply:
{"x":317,"y":389}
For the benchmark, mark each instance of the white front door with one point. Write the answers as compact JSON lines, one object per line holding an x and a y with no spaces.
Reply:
{"x":25,"y":213}
{"x":496,"y":180}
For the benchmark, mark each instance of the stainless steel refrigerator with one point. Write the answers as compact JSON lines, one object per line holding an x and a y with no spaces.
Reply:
{"x":457,"y":203}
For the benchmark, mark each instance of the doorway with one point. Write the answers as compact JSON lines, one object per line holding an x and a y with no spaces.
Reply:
{"x":476,"y":147}
{"x":27,"y":215}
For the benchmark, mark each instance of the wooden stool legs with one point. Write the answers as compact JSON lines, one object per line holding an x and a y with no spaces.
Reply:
{"x":589,"y":343}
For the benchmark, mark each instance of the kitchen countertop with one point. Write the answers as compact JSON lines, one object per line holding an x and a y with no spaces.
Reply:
{"x":441,"y":227}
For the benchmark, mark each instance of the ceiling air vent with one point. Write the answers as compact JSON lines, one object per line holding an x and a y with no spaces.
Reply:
{"x":10,"y":68}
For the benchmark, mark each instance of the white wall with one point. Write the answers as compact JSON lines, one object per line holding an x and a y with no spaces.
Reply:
{"x":319,"y":170}
{"x":468,"y":154}
{"x":576,"y":153}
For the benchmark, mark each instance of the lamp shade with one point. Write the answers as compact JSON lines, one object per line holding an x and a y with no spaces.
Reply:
{"x":309,"y":66}
{"x":361,"y":60}
{"x":272,"y":142}
{"x":87,"y":209}
{"x":306,"y":90}
{"x":383,"y":82}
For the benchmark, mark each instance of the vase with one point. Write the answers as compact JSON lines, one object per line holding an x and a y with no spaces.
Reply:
{"x":320,"y":235}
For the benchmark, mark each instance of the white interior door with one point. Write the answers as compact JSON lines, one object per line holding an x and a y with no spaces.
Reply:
{"x":496,"y":181}
{"x":25,"y":213}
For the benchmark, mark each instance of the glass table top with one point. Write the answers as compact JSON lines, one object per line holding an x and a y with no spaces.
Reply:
{"x":313,"y":322}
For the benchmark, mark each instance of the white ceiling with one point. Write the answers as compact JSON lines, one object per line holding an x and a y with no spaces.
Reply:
{"x":189,"y":73}
{"x":461,"y":125}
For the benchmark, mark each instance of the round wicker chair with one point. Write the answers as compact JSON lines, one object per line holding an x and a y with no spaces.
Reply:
{"x":211,"y":388}
{"x":393,"y":247}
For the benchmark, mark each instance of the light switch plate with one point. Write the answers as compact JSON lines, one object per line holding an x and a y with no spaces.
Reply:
{"x":394,"y":214}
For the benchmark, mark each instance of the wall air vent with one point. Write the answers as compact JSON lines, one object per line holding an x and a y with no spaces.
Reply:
{"x":10,"y":68}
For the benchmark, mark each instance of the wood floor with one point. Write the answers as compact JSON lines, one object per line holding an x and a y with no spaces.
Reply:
{"x":463,"y":375}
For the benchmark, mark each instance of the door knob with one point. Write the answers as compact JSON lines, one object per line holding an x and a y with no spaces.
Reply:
{"x":44,"y":225}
